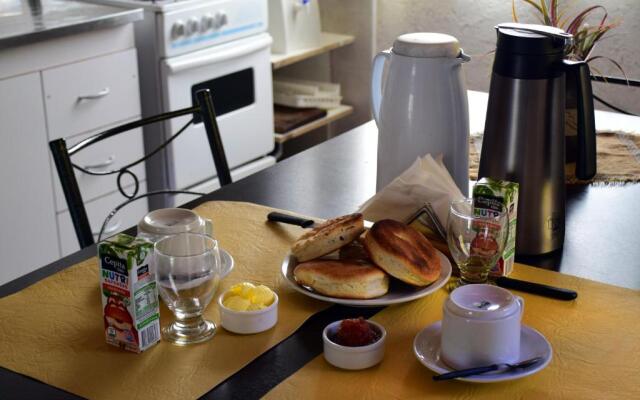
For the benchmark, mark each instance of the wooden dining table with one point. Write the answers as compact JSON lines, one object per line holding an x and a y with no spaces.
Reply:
{"x":334,"y":178}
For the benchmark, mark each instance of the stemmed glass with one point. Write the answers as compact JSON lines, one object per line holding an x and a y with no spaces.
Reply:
{"x":188,"y":272}
{"x":476,"y":239}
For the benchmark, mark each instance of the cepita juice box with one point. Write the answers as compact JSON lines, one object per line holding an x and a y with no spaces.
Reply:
{"x":490,"y":194}
{"x":129,"y":293}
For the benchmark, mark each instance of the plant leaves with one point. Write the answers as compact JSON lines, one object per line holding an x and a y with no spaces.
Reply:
{"x":513,"y":11}
{"x":611,"y":60}
{"x":545,"y":12}
{"x":554,"y":12}
{"x":579,"y":19}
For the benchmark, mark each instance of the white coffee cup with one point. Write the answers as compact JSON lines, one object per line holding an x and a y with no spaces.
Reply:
{"x":165,"y":222}
{"x":481,"y":326}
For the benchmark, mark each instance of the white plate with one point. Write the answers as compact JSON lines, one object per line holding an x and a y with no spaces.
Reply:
{"x":399,"y":292}
{"x":426,"y":346}
{"x":227,"y":263}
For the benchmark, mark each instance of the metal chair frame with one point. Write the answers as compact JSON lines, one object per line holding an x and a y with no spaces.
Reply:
{"x":64,"y":165}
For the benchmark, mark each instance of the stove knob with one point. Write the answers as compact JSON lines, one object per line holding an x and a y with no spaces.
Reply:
{"x":193,"y":26}
{"x":220,"y":20}
{"x":223,"y":19}
{"x":206,"y":23}
{"x":177,"y":30}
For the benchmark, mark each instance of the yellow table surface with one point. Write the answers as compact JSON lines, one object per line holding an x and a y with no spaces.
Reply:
{"x":595,"y":341}
{"x":53,"y":331}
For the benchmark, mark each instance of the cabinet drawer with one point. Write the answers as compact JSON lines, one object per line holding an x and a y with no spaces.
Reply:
{"x":97,"y":211}
{"x":109,"y":154}
{"x":90,"y":94}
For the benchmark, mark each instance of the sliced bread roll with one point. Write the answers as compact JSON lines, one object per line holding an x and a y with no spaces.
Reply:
{"x":403,"y":253}
{"x":327,"y":237}
{"x":343,"y":279}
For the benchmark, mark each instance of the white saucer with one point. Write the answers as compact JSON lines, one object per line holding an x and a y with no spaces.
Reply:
{"x":227,"y":263}
{"x":426,"y":346}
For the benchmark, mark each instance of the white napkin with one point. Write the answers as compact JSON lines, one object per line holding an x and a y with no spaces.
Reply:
{"x":426,"y":181}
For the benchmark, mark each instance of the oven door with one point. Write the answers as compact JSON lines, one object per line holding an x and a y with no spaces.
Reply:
{"x":239,"y":76}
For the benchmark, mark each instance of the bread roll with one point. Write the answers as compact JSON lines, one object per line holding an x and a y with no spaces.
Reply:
{"x":327,"y":237}
{"x":343,"y":279}
{"x":353,"y":251}
{"x":403,"y":252}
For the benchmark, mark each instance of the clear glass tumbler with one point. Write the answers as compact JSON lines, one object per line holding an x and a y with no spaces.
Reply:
{"x":188,"y":272}
{"x":476,"y":239}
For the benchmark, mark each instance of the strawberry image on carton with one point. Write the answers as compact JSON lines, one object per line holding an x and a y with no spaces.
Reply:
{"x":129,"y":293}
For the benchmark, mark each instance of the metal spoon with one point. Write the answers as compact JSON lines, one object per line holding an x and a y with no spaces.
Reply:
{"x":481,"y":370}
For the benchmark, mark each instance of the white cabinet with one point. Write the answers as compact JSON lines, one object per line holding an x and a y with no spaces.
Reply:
{"x":91,"y":94}
{"x":28,"y":234}
{"x":68,"y":87}
{"x":97,"y":210}
{"x":110,"y":154}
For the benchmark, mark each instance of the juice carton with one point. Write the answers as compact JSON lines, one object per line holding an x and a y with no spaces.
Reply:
{"x":129,"y":293}
{"x":492,"y":195}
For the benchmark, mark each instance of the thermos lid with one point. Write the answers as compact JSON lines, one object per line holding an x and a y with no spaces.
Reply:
{"x":531,"y":39}
{"x":427,"y":45}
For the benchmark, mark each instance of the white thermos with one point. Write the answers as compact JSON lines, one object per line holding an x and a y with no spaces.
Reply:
{"x":420,"y":105}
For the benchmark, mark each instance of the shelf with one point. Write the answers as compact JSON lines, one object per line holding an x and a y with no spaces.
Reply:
{"x":329,"y":41}
{"x":333,"y":114}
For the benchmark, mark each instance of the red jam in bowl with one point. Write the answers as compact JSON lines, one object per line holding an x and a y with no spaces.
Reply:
{"x":356,"y":332}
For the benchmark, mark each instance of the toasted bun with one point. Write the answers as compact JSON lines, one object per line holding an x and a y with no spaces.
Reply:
{"x":403,"y":252}
{"x":327,"y":237}
{"x":344,"y":279}
{"x":353,"y":251}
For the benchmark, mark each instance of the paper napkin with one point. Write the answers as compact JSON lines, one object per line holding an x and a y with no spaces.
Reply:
{"x":426,"y":181}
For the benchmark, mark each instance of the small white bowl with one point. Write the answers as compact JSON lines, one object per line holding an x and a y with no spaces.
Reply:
{"x":356,"y":357}
{"x":248,"y":322}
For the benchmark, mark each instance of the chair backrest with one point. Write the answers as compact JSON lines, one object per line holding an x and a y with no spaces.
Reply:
{"x":203,"y":110}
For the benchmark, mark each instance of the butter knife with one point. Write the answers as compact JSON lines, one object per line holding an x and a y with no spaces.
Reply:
{"x":275,"y":216}
{"x":504,"y":367}
{"x":536,"y":288}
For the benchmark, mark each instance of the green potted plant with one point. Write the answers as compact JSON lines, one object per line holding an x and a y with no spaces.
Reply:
{"x":589,"y":27}
{"x":585,"y":36}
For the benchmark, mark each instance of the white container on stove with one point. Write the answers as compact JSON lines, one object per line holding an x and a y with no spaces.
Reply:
{"x":294,"y":24}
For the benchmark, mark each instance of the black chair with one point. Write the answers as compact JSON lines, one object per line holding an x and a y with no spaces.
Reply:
{"x":203,"y":111}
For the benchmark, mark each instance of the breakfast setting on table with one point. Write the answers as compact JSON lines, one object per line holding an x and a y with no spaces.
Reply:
{"x":418,"y":292}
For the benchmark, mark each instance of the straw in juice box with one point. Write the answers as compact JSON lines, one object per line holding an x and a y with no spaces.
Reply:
{"x":493,"y":195}
{"x":129,"y":293}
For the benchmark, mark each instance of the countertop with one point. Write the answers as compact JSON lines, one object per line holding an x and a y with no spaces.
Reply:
{"x":27,"y":21}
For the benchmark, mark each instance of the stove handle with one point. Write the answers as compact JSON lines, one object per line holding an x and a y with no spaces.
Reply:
{"x":214,"y":56}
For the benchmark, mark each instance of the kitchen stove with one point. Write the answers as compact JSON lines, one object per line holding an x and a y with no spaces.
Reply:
{"x":186,"y":45}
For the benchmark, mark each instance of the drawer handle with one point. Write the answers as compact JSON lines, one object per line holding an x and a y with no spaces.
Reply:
{"x":108,"y":231}
{"x":110,"y":160}
{"x":98,"y":95}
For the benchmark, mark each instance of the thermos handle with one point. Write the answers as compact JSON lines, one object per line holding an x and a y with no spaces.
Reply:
{"x":579,"y":72}
{"x":379,"y":63}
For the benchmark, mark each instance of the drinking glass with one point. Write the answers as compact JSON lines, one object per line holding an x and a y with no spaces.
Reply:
{"x":476,"y":239}
{"x":188,"y":272}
